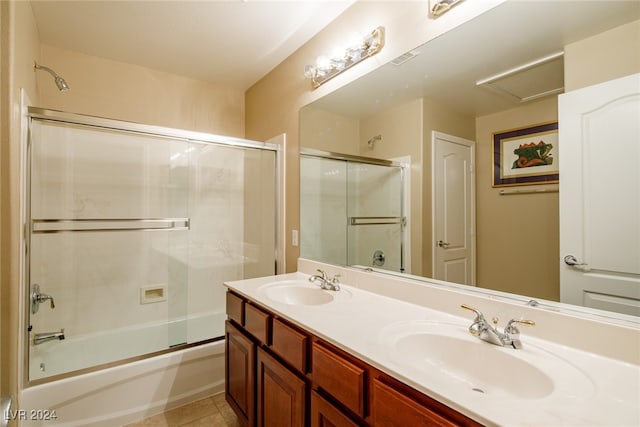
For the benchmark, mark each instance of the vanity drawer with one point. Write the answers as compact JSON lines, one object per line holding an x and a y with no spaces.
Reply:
{"x":235,"y":308}
{"x":257,"y":323}
{"x":339,"y":377}
{"x":290,"y":344}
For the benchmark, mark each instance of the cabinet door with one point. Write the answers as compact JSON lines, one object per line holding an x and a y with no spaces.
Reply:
{"x":281,"y":394}
{"x":324,"y":414}
{"x":240,"y":374}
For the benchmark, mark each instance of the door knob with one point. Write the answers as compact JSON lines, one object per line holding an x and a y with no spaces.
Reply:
{"x":443,"y":244}
{"x":572,"y":261}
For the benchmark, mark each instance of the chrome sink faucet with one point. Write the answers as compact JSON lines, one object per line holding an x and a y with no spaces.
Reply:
{"x":486,"y":332}
{"x":325,"y":282}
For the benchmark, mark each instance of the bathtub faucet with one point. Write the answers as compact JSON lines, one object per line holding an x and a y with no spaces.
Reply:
{"x":48,"y":336}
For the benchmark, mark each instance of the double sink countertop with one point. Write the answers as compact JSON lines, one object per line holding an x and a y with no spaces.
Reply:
{"x":543,"y":383}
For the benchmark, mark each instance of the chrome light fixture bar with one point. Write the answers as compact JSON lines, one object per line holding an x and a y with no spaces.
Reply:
{"x":326,"y":68}
{"x":438,"y":7}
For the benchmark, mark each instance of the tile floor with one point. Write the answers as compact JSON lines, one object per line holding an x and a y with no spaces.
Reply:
{"x":212,"y":411}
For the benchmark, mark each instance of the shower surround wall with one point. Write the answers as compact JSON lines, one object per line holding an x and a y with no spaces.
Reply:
{"x":127,"y":288}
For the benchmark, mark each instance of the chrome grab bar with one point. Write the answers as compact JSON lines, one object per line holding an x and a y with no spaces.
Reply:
{"x":377,"y":220}
{"x":111,"y":224}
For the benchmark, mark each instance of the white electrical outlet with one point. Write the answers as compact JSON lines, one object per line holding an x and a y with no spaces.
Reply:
{"x":294,"y":238}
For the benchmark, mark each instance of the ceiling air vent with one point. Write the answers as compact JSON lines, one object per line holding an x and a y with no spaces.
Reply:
{"x":405,"y":57}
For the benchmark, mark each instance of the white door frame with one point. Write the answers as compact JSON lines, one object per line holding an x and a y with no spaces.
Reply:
{"x":472,"y":145}
{"x":281,"y":204}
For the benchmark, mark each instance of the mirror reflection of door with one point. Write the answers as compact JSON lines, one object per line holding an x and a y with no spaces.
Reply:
{"x":453,"y":208}
{"x":600,"y":196}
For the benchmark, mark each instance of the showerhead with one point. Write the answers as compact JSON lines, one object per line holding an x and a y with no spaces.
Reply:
{"x":60,"y":82}
{"x":373,"y":140}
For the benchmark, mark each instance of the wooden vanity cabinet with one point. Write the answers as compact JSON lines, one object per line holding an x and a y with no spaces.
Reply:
{"x":279,"y":375}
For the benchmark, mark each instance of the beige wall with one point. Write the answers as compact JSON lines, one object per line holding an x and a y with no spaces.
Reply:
{"x":117,"y":90}
{"x":20,"y":46}
{"x":517,"y":235}
{"x":603,"y":57}
{"x":327,"y":131}
{"x":272,"y":104}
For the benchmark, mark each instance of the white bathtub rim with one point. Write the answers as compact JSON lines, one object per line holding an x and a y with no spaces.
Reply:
{"x":47,"y":395}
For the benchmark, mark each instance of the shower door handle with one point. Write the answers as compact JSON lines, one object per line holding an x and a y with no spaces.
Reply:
{"x":443,"y":245}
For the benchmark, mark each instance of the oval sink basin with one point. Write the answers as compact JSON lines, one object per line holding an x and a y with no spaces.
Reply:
{"x":447,"y":353}
{"x":299,"y":292}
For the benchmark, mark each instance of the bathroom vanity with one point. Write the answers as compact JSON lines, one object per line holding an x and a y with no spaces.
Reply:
{"x":273,"y":364}
{"x":300,"y":355}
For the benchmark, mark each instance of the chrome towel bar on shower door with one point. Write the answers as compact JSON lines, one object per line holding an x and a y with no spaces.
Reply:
{"x":113,"y":224}
{"x":377,"y":220}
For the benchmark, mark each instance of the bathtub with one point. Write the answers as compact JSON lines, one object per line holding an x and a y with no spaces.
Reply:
{"x":119,"y":394}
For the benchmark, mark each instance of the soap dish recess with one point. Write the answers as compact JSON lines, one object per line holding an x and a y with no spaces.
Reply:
{"x":153,"y":293}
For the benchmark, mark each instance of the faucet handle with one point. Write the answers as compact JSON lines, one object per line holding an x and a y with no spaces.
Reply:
{"x":336,"y":278}
{"x":38,"y":298}
{"x":512,"y":329}
{"x":478,"y":313}
{"x":324,"y":275}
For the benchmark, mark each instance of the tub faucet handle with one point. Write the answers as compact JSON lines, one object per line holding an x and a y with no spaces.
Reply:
{"x":38,"y":297}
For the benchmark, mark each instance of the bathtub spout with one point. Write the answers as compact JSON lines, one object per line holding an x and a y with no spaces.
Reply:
{"x":48,"y":336}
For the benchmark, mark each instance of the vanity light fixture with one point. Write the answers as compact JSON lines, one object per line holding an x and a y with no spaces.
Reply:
{"x":326,"y":68}
{"x":438,"y":7}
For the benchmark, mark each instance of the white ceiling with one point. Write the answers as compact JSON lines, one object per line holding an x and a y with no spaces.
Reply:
{"x":229,"y":42}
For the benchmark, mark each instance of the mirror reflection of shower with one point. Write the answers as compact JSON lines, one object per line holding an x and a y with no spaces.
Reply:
{"x":60,"y":82}
{"x":372,"y":142}
{"x":352,"y":210}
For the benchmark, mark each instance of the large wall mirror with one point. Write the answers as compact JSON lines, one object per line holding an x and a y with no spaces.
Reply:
{"x":501,"y":72}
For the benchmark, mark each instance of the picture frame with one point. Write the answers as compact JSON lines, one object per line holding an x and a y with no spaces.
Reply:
{"x":526,"y":156}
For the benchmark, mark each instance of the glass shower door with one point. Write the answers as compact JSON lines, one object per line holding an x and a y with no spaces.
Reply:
{"x":131,"y":238}
{"x":323,"y":209}
{"x":108,"y":215}
{"x":376,"y":216}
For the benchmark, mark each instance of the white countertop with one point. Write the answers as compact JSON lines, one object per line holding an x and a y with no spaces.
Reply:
{"x":588,"y":389}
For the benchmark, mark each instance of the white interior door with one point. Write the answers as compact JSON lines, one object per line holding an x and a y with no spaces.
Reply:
{"x":599,"y":133}
{"x":453,"y":208}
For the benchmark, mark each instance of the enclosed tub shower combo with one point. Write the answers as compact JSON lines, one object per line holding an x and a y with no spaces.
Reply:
{"x":131,"y":231}
{"x":352,"y":210}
